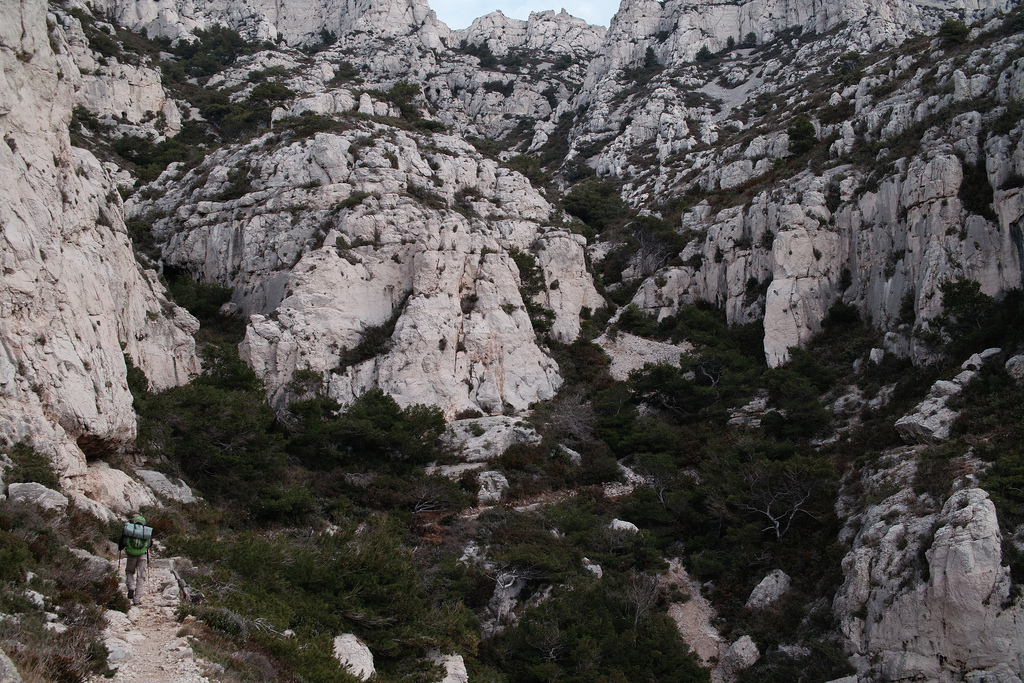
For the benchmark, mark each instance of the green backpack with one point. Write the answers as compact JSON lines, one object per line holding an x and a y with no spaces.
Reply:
{"x":136,"y":536}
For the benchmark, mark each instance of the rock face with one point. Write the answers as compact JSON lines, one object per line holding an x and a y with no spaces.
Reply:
{"x":676,"y":30}
{"x":174,"y":490}
{"x":883,"y":240}
{"x":73,"y":301}
{"x":354,"y":656}
{"x":931,"y":420}
{"x":114,"y":489}
{"x":926,"y":595}
{"x":37,"y":495}
{"x":427,"y":253}
{"x":296,"y":23}
{"x":555,"y":34}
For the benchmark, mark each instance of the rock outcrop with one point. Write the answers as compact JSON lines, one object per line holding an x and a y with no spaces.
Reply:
{"x":73,"y":301}
{"x":38,"y":495}
{"x":295,"y":23}
{"x":926,"y":594}
{"x":931,"y":420}
{"x":354,"y":656}
{"x":769,"y":590}
{"x":547,"y":32}
{"x":411,"y":234}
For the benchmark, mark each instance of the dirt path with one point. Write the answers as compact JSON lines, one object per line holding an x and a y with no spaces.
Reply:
{"x":144,"y":644}
{"x":693,"y":617}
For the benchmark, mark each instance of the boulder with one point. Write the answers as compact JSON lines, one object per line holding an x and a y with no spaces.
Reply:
{"x":483,"y":438}
{"x":622,"y":525}
{"x":114,"y":489}
{"x":93,"y":568}
{"x":1015,"y":368}
{"x":8,"y":672}
{"x":493,"y":485}
{"x":454,"y":668}
{"x":770,"y":589}
{"x":36,"y":494}
{"x":593,"y":567}
{"x":177,"y":491}
{"x":354,"y":656}
{"x":741,"y":655}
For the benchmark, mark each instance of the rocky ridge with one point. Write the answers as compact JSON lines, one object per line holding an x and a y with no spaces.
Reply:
{"x":75,"y":304}
{"x":379,"y":252}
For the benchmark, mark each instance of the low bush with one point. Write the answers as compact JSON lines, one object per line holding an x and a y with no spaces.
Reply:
{"x":597,"y":203}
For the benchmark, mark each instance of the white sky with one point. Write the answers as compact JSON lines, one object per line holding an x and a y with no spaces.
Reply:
{"x":461,"y":13}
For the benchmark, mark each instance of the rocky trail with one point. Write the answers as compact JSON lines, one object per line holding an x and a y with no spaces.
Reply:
{"x":144,"y":644}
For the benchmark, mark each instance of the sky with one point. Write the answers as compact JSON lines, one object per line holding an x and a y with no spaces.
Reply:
{"x":461,"y":13}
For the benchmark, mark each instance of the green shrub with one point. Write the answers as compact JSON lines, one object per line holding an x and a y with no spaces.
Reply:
{"x":530,"y":167}
{"x":954,"y":32}
{"x":150,"y":159}
{"x":373,"y":429}
{"x":308,"y":124}
{"x":593,"y":631}
{"x":801,"y":136}
{"x":597,"y":203}
{"x":100,"y":42}
{"x":529,"y":272}
{"x":30,"y":466}
{"x":976,"y":191}
{"x":271,"y":92}
{"x":481,"y":52}
{"x":212,"y":51}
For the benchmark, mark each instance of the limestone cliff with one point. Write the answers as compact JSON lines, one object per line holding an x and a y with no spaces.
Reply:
{"x":73,"y":301}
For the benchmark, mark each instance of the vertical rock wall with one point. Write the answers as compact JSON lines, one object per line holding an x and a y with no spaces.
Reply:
{"x":73,"y":301}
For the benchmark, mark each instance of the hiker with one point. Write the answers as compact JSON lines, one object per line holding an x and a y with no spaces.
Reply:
{"x":135,"y":541}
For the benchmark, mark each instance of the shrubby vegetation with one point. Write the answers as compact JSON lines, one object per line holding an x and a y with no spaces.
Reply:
{"x":32,"y":541}
{"x":597,"y":203}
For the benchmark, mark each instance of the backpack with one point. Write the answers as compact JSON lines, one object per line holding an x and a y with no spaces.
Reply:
{"x":135,"y":538}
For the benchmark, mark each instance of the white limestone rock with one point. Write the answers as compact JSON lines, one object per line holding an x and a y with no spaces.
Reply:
{"x":92,"y":568}
{"x":546,"y":31}
{"x":931,"y":420}
{"x":38,"y":495}
{"x":493,"y":485}
{"x":769,"y":590}
{"x":622,"y":525}
{"x":8,"y":672}
{"x":593,"y":567}
{"x":454,"y":668}
{"x":74,"y":301}
{"x":177,"y":491}
{"x":114,"y":489}
{"x":354,"y":656}
{"x":742,"y":654}
{"x":462,"y":338}
{"x":1015,"y":368}
{"x":484,"y":438}
{"x":629,"y":352}
{"x":958,"y":621}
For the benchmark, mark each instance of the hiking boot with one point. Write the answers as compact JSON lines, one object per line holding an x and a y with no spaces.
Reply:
{"x":131,"y":595}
